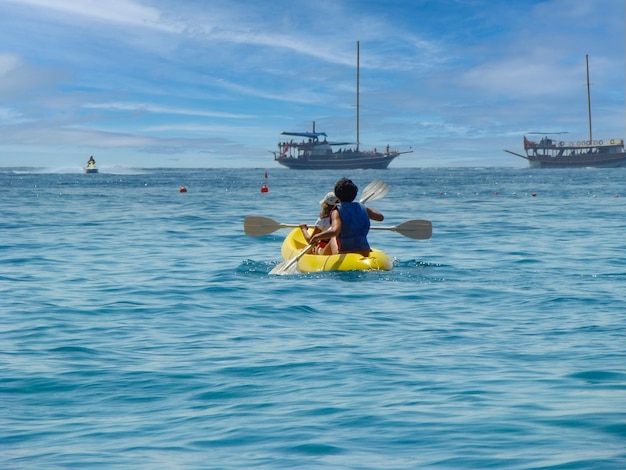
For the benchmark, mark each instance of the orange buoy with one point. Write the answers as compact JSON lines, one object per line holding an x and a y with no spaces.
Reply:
{"x":183,"y":189}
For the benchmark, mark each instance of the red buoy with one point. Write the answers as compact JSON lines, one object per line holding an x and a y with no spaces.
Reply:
{"x":183,"y":189}
{"x":264,"y":187}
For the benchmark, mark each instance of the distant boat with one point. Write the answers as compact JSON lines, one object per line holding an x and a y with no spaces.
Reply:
{"x":311,"y":153}
{"x":550,"y":153}
{"x":91,"y":166}
{"x":553,"y":153}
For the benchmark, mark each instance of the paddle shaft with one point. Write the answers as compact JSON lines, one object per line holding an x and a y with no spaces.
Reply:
{"x":417,"y":229}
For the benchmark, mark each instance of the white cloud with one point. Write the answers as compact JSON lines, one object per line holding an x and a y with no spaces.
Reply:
{"x":523,"y":77}
{"x":152,"y":108}
{"x":126,"y":12}
{"x":8,"y":114}
{"x":8,"y":63}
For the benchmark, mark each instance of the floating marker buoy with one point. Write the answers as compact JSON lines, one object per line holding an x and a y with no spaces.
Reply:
{"x":182,"y":189}
{"x":534,"y":194}
{"x":264,"y":188}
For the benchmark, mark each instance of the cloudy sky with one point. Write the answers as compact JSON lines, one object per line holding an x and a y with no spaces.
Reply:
{"x":190,"y":83}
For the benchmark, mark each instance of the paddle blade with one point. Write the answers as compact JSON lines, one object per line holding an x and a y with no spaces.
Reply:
{"x":256,"y":226}
{"x":375,"y":190}
{"x":289,"y":266}
{"x":417,"y":229}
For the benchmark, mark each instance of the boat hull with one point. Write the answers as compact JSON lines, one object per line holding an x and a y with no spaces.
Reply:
{"x":91,"y":170}
{"x":612,"y":161}
{"x":354,"y":161}
{"x":295,"y":242}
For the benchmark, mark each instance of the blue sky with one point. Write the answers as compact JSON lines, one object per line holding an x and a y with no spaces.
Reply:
{"x":190,"y":83}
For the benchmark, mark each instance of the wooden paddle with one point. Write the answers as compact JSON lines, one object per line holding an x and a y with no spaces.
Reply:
{"x":256,"y":225}
{"x":375,"y":190}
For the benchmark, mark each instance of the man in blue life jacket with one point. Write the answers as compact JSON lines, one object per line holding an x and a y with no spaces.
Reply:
{"x":350,"y":222}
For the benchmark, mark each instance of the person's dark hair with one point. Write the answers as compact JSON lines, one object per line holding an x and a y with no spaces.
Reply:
{"x":345,"y":190}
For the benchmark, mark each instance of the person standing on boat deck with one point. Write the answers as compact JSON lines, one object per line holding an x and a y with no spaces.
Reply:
{"x":350,"y":223}
{"x":323,"y":223}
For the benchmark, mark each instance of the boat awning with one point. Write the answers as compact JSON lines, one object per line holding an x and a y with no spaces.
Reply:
{"x":310,"y":135}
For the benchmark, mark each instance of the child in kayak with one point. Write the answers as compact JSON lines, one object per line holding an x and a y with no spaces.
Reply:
{"x":323,"y":223}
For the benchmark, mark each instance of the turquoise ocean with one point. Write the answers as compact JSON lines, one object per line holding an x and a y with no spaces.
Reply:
{"x":140,"y":327}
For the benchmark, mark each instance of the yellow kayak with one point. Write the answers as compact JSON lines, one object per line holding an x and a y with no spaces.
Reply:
{"x":309,"y":263}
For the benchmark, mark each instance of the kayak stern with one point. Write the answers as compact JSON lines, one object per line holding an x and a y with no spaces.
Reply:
{"x":309,"y":263}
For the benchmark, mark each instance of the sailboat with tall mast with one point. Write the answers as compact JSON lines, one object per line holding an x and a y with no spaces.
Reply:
{"x":555,"y":153}
{"x":312,"y":151}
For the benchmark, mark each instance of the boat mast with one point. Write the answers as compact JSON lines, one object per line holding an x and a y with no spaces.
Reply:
{"x":589,"y":100}
{"x":357,"y":96}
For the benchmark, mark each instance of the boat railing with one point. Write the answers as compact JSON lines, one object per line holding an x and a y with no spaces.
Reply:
{"x":550,"y":144}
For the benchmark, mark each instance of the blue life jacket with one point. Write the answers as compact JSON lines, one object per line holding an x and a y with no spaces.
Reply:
{"x":355,"y":224}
